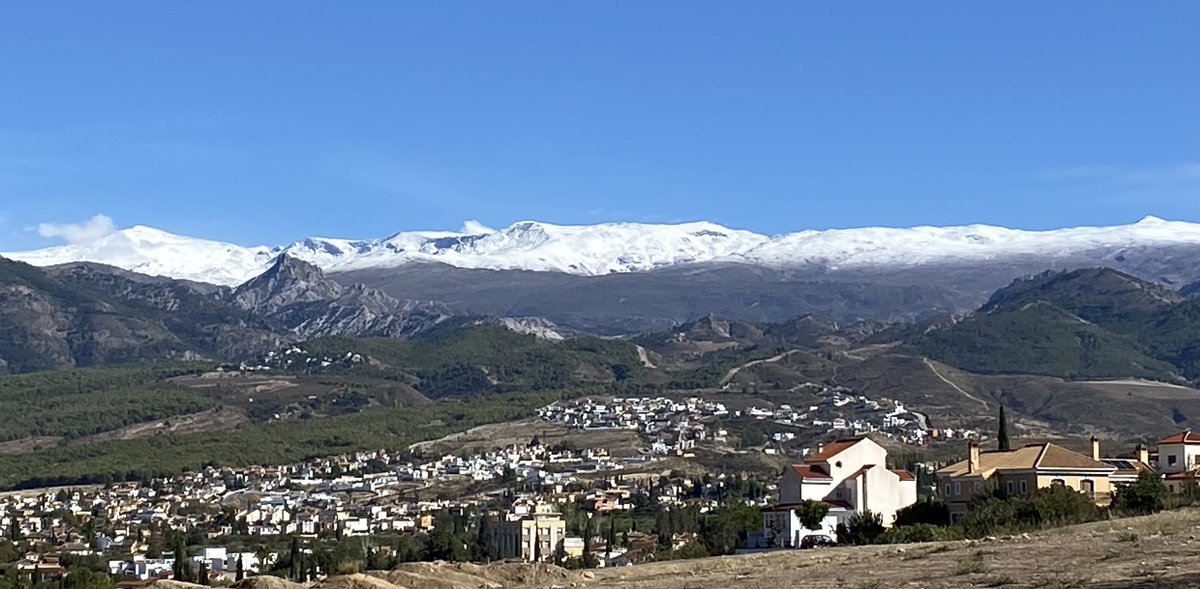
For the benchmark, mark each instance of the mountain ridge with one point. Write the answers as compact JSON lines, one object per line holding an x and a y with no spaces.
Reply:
{"x":595,"y":250}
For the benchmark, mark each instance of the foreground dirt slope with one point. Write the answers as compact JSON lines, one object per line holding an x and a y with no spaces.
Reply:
{"x":1154,"y":551}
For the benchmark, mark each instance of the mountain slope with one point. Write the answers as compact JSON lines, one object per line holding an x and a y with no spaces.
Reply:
{"x":1096,"y":294}
{"x":297,"y":295}
{"x":1039,"y":338}
{"x":87,"y":315}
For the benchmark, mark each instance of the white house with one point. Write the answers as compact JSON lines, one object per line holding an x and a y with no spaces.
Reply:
{"x":851,"y":475}
{"x":1179,"y":459}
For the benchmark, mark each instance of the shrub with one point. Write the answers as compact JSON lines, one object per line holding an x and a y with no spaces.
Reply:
{"x":917,"y":533}
{"x":1148,"y":494}
{"x":929,"y":511}
{"x":1051,"y":506}
{"x":865,"y":527}
{"x":812,"y":513}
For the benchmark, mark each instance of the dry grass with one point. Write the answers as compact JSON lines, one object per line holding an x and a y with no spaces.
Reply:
{"x":1154,"y":551}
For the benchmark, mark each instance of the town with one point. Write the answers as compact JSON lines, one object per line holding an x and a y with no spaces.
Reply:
{"x":538,"y":503}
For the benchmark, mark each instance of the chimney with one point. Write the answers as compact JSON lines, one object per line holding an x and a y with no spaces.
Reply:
{"x":820,"y":447}
{"x":972,"y":456}
{"x":1095,"y":448}
{"x":1143,"y":454}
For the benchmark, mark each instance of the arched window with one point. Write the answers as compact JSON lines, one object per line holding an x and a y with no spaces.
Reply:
{"x":1088,"y":486}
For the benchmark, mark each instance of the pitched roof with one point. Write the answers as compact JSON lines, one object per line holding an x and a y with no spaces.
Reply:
{"x":1054,"y":456}
{"x":833,"y":449}
{"x":904,"y":474}
{"x":1184,"y":437}
{"x":810,"y":471}
{"x":1029,"y":457}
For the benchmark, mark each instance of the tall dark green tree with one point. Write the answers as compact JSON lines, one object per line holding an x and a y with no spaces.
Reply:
{"x":294,"y":559}
{"x":611,"y":540}
{"x":483,"y":541}
{"x":1002,"y":435}
{"x":241,"y":569}
{"x":179,"y":567}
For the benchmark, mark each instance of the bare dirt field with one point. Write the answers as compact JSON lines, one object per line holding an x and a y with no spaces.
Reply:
{"x":488,"y":437}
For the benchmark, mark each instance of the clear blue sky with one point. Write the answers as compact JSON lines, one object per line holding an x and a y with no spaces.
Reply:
{"x":263,"y":122}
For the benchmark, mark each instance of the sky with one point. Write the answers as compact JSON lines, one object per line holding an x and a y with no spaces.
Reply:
{"x":266,"y":122}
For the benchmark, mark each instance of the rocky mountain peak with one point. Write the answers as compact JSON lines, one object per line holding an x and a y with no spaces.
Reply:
{"x":287,"y":282}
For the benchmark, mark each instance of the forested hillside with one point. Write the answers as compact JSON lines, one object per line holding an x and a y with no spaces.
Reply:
{"x":481,"y":359}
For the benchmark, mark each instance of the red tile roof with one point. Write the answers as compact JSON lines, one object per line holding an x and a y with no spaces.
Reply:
{"x":831,"y":450}
{"x":1182,"y":476}
{"x":904,"y":474}
{"x":1184,"y":437}
{"x":808,"y":471}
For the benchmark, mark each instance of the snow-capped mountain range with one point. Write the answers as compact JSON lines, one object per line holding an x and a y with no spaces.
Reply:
{"x":592,"y":250}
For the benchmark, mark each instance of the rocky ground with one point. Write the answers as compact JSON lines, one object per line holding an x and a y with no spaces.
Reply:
{"x":1147,"y":552}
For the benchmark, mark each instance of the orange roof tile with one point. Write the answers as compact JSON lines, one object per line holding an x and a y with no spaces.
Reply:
{"x":833,"y":449}
{"x":904,"y":474}
{"x":1184,"y":437}
{"x":807,"y":471}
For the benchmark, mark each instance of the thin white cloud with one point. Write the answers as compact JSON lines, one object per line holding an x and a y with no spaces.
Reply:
{"x":473,"y":227}
{"x":83,"y":233}
{"x":1182,"y":172}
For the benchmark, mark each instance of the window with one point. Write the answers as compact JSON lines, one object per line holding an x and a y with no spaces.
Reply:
{"x":1058,"y":483}
{"x":1009,"y":487}
{"x":1088,"y":486}
{"x":958,"y":488}
{"x":1024,"y":487}
{"x":978,"y":487}
{"x":1171,"y":459}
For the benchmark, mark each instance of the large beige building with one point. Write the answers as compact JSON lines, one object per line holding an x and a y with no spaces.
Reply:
{"x":533,"y":537}
{"x":1022,"y":470}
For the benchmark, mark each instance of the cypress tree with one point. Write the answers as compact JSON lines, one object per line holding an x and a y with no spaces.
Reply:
{"x":1002,"y":435}
{"x":483,"y":544}
{"x":612,"y":536}
{"x":241,"y":570}
{"x":178,"y":572}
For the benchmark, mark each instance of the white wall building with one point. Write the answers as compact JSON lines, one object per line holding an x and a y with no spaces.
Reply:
{"x":851,"y":475}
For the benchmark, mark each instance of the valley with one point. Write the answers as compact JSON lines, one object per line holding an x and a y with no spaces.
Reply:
{"x":391,"y":410}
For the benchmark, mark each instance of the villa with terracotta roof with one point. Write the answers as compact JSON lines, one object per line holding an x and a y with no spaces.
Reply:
{"x":1179,"y":459}
{"x":852,"y":476}
{"x":1022,"y":470}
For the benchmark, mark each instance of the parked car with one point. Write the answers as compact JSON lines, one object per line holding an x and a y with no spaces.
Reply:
{"x":817,"y":541}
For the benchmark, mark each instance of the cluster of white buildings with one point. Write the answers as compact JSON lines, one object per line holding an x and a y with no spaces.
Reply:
{"x":670,"y":427}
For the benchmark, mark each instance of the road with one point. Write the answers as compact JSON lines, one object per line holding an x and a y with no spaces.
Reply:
{"x":952,"y":385}
{"x":733,"y":371}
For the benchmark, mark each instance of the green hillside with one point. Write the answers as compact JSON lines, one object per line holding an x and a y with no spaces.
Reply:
{"x":485,"y":359}
{"x":273,"y":443}
{"x":1039,"y":338}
